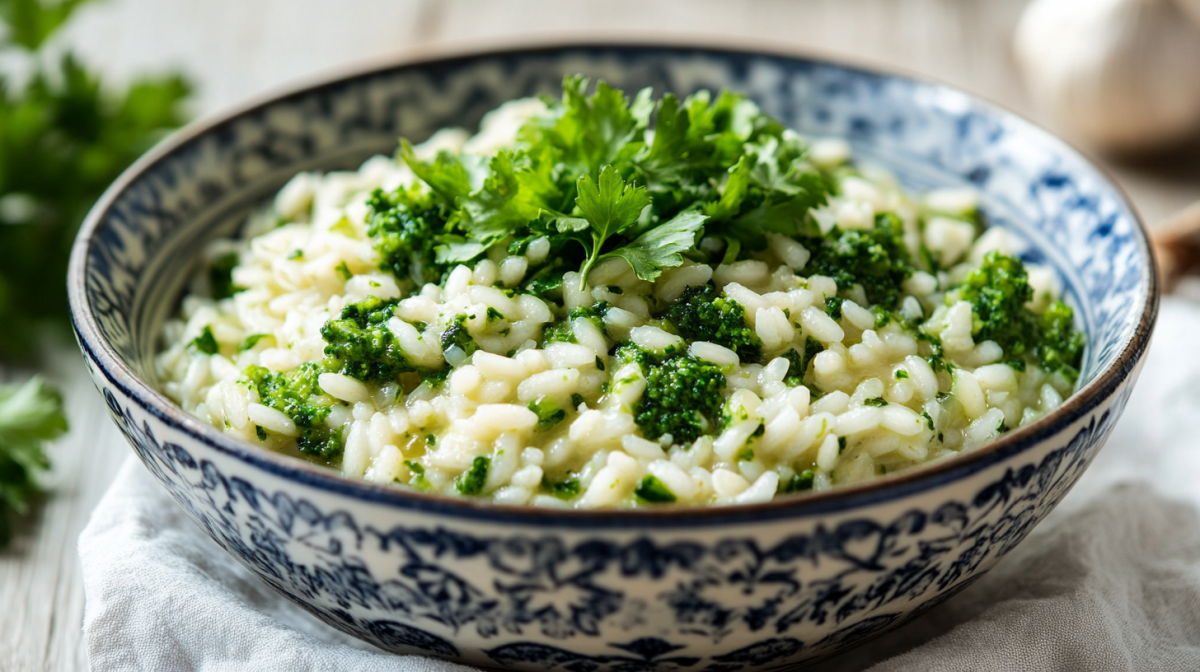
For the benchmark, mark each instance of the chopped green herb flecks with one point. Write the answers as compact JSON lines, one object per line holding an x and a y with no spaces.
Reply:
{"x":206,"y":342}
{"x":457,"y":336}
{"x":471,"y":481}
{"x":548,"y":412}
{"x":879,"y":402}
{"x":343,"y":271}
{"x":798,"y":482}
{"x":653,"y":491}
{"x":901,"y":374}
{"x":252,"y":340}
{"x":220,"y":276}
{"x":833,"y":307}
{"x":798,"y":361}
{"x":417,"y":477}
{"x":565,"y":489}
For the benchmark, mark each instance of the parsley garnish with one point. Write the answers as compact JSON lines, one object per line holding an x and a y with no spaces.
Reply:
{"x":30,"y":414}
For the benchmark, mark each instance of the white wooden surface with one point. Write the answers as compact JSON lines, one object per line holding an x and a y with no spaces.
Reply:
{"x":238,"y":48}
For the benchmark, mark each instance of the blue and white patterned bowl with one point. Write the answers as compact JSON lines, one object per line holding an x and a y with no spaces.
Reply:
{"x":734,"y":588}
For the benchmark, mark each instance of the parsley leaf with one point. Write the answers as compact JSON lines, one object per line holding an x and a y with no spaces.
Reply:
{"x":30,"y":414}
{"x":65,"y":138}
{"x":610,"y":206}
{"x":661,"y":247}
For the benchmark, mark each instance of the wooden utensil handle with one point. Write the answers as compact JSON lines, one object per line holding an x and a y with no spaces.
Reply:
{"x":1177,"y":246}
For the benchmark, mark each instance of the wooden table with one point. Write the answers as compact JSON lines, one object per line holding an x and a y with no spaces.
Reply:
{"x":239,"y":48}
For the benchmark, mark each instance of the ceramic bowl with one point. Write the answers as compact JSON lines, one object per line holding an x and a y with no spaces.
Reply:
{"x":725,"y":588}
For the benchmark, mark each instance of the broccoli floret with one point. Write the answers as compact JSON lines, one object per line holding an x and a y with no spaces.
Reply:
{"x":402,"y":225}
{"x":998,"y":292}
{"x":682,"y":398}
{"x":361,"y":346}
{"x":297,"y":395}
{"x":700,"y":314}
{"x":876,"y":258}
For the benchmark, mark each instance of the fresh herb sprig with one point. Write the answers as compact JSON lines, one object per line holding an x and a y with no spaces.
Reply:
{"x":588,"y":176}
{"x":30,"y":415}
{"x":63,"y":140}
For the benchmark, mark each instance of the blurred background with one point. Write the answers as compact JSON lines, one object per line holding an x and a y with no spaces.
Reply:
{"x":1116,"y":77}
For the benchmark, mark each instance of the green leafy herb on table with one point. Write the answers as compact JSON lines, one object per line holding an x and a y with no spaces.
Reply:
{"x":63,"y":140}
{"x":30,"y":415}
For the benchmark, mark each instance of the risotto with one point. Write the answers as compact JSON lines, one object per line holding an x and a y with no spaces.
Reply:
{"x":603,"y":302}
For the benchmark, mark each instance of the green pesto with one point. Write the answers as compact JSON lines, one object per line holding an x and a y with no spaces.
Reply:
{"x":402,"y":226}
{"x":296,"y":394}
{"x":876,"y":259}
{"x":998,"y":292}
{"x":360,"y":345}
{"x":252,"y":340}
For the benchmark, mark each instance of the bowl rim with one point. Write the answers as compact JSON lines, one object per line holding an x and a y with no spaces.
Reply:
{"x":841,"y":499}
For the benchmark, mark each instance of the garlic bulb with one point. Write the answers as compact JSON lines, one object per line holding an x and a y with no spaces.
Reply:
{"x":1125,"y":74}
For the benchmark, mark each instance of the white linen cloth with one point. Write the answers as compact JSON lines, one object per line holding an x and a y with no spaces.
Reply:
{"x":1109,"y":581}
